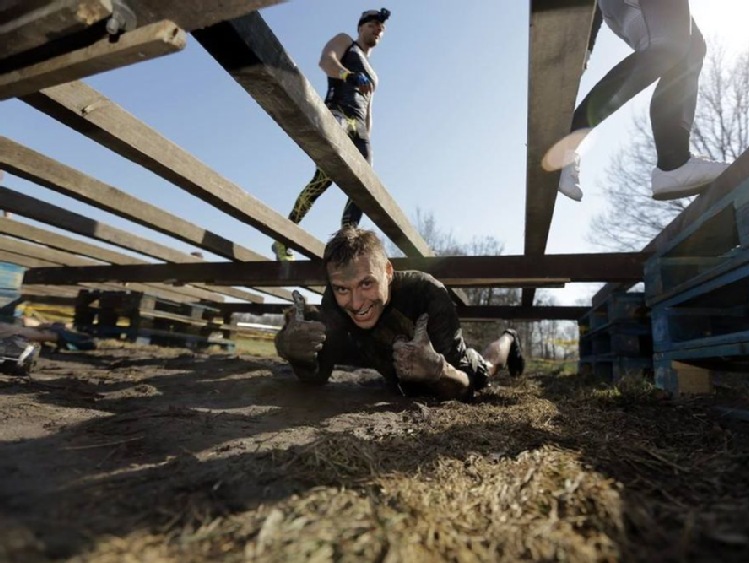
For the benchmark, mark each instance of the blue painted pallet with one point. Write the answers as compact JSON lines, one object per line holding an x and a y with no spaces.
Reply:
{"x":619,"y":307}
{"x":622,"y":339}
{"x":718,"y":235}
{"x":710,"y":306}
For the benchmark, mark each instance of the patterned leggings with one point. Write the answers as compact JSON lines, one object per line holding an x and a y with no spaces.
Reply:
{"x":321,"y":181}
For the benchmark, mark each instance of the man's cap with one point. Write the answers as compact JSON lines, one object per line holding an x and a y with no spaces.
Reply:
{"x":380,"y":15}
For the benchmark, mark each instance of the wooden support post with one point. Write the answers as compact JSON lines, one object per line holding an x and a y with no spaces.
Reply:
{"x":559,"y":33}
{"x":145,"y":43}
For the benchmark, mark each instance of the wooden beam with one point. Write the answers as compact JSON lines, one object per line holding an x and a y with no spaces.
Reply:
{"x":38,"y":210}
{"x":453,"y":271}
{"x":54,"y":175}
{"x":249,"y":51}
{"x":87,"y":111}
{"x":56,"y":241}
{"x":141,"y":44}
{"x":194,"y":14}
{"x":28,"y":24}
{"x":30,"y":262}
{"x":559,"y":33}
{"x":63,"y":258}
{"x":467,"y":313}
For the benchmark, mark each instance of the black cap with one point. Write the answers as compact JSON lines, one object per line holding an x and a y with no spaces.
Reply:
{"x":373,"y":15}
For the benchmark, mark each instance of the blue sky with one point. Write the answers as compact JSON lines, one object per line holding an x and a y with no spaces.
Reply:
{"x":449,"y":123}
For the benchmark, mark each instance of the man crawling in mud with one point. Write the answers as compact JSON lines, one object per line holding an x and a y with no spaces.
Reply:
{"x":402,"y":324}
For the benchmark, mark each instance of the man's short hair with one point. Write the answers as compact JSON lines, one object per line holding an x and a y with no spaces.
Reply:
{"x":350,"y":242}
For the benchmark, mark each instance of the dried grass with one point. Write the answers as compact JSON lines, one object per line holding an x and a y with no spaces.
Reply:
{"x":549,"y":469}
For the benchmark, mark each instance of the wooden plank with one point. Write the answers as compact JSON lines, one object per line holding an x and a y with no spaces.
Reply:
{"x":29,"y":262}
{"x":467,"y":313}
{"x":28,"y":24}
{"x":249,"y":51}
{"x":60,"y":242}
{"x":38,"y":210}
{"x":84,"y":109}
{"x":141,"y":44}
{"x":453,"y":271}
{"x":63,"y":258}
{"x":559,"y":33}
{"x":194,"y":14}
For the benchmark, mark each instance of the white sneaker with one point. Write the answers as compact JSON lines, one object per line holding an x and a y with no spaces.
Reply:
{"x":569,"y":179}
{"x":691,"y":178}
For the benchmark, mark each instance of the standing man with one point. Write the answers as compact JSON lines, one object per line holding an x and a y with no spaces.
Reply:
{"x":402,"y":324}
{"x":351,"y":85}
{"x":668,"y":48}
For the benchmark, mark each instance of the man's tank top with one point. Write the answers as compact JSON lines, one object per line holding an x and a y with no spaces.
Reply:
{"x":347,"y":98}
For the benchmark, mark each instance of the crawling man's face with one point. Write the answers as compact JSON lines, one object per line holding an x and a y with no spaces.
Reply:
{"x":362,"y":287}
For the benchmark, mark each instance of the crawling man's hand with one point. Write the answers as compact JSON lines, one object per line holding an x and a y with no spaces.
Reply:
{"x":417,"y":360}
{"x":300,"y":340}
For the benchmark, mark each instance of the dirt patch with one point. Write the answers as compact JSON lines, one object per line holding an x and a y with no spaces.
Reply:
{"x":167,"y":455}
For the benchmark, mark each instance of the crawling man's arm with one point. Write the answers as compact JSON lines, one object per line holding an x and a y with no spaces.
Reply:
{"x":417,"y":361}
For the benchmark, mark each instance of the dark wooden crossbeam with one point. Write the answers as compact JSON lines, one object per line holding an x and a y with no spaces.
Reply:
{"x":249,"y":51}
{"x":465,"y":312}
{"x":559,"y":33}
{"x":453,"y":271}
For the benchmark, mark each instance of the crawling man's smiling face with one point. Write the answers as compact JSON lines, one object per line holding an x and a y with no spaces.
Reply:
{"x":362,"y":287}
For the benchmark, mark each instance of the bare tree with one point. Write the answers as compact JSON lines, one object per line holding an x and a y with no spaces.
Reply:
{"x":721,"y":132}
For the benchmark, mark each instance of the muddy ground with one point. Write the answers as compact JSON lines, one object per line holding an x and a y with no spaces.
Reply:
{"x":148,"y":454}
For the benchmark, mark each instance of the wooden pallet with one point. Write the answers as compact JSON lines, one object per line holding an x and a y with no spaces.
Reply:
{"x":615,"y":338}
{"x":716,"y":242}
{"x":697,"y":285}
{"x":144,"y":318}
{"x":158,"y":337}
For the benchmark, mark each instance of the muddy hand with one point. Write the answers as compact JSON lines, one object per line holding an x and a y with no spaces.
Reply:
{"x":417,"y":360}
{"x":299,"y":304}
{"x":300,"y":340}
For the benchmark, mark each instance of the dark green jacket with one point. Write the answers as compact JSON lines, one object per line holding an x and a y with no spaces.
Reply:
{"x":412,"y":293}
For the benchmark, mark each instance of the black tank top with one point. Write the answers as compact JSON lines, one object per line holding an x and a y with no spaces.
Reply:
{"x":345,"y":97}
